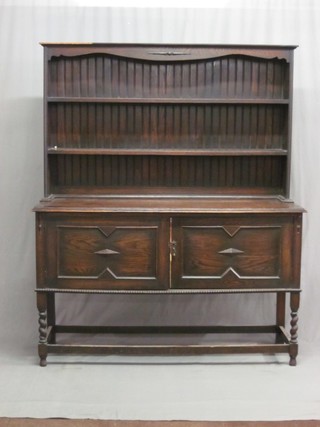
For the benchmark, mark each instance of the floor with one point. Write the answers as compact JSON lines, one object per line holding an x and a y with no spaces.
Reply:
{"x":5,"y":422}
{"x":220,"y":388}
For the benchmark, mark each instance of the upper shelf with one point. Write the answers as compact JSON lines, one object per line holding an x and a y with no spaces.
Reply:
{"x":166,"y":152}
{"x":132,"y":100}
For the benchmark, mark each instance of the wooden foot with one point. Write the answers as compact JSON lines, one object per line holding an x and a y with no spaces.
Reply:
{"x":43,"y":352}
{"x":43,"y":362}
{"x":293,"y":361}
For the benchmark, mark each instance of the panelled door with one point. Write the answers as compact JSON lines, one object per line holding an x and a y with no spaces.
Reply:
{"x":106,"y":252}
{"x":232,"y":252}
{"x":159,"y":253}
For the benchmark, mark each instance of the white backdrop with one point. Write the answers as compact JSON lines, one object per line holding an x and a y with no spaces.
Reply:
{"x":23,"y":24}
{"x":22,"y":27}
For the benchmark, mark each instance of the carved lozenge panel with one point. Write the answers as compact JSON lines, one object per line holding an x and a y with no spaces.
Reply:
{"x":233,"y":255}
{"x":250,"y":252}
{"x":106,"y":253}
{"x":123,"y":253}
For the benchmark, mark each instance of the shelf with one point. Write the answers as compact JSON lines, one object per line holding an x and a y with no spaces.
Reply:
{"x":166,"y":152}
{"x":166,"y":203}
{"x":98,"y":100}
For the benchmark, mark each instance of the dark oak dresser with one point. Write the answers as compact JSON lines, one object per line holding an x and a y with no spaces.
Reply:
{"x":167,"y":171}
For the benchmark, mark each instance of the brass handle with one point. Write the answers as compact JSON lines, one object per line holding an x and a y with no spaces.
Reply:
{"x":168,"y":53}
{"x":173,"y":248}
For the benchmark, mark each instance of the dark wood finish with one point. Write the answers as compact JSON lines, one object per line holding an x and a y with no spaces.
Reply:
{"x":167,"y":171}
{"x":101,"y":174}
{"x":281,"y":308}
{"x":94,"y":252}
{"x":153,"y":126}
{"x":180,"y":204}
{"x":233,"y":252}
{"x":214,"y":101}
{"x":294,"y":305}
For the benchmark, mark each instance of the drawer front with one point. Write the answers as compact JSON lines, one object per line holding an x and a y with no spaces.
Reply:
{"x":234,"y":252}
{"x":99,"y":253}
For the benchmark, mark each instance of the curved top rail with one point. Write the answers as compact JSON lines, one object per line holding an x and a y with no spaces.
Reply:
{"x":168,"y":53}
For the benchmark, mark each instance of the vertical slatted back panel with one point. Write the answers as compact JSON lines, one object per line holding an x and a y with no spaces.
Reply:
{"x":120,"y":102}
{"x":231,"y":174}
{"x":110,"y":76}
{"x":82,"y":125}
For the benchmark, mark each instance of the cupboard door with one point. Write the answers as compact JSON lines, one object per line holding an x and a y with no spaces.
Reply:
{"x":233,"y":252}
{"x":84,"y":252}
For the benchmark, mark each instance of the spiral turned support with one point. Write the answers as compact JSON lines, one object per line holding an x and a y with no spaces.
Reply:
{"x":294,"y":327}
{"x":293,"y":339}
{"x":293,"y":347}
{"x":42,"y":327}
{"x":43,"y":337}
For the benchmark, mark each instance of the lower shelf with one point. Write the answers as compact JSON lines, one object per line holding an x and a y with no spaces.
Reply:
{"x":280,"y":343}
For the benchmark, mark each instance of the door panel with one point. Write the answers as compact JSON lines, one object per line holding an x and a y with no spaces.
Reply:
{"x":108,"y":253}
{"x":232,"y":252}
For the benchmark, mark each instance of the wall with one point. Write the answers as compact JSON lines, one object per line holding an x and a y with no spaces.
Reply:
{"x":23,"y":24}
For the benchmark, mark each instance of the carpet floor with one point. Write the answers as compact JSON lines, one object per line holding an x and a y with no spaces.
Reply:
{"x":28,"y":422}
